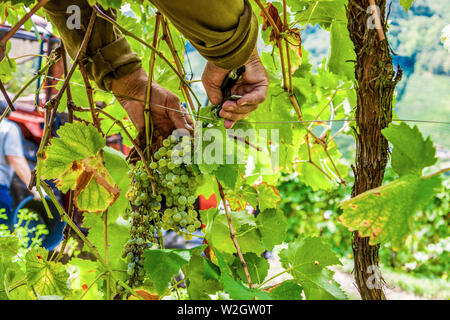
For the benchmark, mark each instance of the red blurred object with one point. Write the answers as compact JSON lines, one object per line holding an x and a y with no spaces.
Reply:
{"x":31,"y":123}
{"x":206,"y":204}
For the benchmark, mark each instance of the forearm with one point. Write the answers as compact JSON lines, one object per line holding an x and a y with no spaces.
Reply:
{"x":109,"y":54}
{"x":21,"y":168}
{"x":224,"y":32}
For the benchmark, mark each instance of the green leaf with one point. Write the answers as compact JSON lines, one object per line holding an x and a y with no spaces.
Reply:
{"x":406,"y":4}
{"x":235,"y":288}
{"x":268,"y":196}
{"x":202,"y":277}
{"x":238,"y":199}
{"x":341,"y":52}
{"x":217,"y":233}
{"x":7,"y":66}
{"x":319,"y":12}
{"x":118,"y":235}
{"x":307,"y":259}
{"x":227,"y":175}
{"x":326,"y":176}
{"x":273,"y":227}
{"x":257,"y":266}
{"x":9,"y":247}
{"x":385,"y":213}
{"x":287,"y":290}
{"x":117,"y":167}
{"x":46,"y":277}
{"x":163,"y":264}
{"x":412,"y":153}
{"x":86,"y":272}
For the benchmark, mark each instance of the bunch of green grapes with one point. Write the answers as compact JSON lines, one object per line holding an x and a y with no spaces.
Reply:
{"x":164,"y":200}
{"x":145,"y":221}
{"x":177,"y":181}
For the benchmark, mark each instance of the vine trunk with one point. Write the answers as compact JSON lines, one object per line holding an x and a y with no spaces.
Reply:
{"x":375,"y":84}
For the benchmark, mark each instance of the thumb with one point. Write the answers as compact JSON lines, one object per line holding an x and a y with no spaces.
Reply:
{"x":177,"y":115}
{"x":214,"y":95}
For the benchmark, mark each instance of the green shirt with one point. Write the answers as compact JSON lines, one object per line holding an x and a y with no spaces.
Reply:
{"x":224,"y":32}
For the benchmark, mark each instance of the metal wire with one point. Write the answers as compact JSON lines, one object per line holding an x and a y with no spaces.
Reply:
{"x":265,"y":122}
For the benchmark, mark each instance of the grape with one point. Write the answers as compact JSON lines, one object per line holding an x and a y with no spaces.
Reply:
{"x":174,"y":184}
{"x":166,"y":143}
{"x":182,"y":200}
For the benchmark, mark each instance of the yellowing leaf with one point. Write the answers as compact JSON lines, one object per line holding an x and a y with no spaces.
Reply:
{"x":384,"y":213}
{"x":76,"y":163}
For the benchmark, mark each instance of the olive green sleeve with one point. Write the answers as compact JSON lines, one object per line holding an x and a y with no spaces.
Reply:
{"x":109,"y":54}
{"x":223,"y":31}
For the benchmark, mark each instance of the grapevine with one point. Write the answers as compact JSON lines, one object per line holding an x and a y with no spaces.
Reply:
{"x":128,"y":200}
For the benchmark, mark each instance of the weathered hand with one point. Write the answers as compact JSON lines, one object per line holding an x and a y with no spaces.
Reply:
{"x":134,"y":85}
{"x":252,"y":87}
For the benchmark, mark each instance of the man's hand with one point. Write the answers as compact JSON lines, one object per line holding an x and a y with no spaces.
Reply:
{"x":252,"y":87}
{"x":166,"y":118}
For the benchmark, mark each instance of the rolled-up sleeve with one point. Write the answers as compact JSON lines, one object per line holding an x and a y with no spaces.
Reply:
{"x":109,"y":54}
{"x":224,"y":32}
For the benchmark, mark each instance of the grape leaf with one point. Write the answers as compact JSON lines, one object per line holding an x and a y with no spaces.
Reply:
{"x":273,"y":227}
{"x":117,"y":167}
{"x":287,"y":290}
{"x":341,"y":52}
{"x":46,"y":277}
{"x":86,"y":273}
{"x":117,"y":237}
{"x":319,"y":12}
{"x":217,"y":233}
{"x":412,"y":152}
{"x":235,"y":288}
{"x":76,"y":162}
{"x":163,"y":264}
{"x":9,"y":247}
{"x":227,"y":175}
{"x":311,"y":175}
{"x":202,"y":277}
{"x":268,"y":196}
{"x":257,"y":267}
{"x":238,"y":199}
{"x":24,"y":2}
{"x":307,"y":259}
{"x":384,"y":213}
{"x":7,"y":66}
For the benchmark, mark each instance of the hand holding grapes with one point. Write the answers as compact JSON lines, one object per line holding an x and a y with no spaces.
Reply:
{"x":166,"y":110}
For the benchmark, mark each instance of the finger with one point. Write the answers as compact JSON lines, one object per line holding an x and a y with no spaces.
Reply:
{"x":228,"y":124}
{"x":233,"y":116}
{"x":232,"y":106}
{"x":187,"y":116}
{"x":212,"y":79}
{"x":214,"y":95}
{"x":256,"y":96}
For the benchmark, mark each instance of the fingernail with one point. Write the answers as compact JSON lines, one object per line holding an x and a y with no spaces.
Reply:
{"x":228,"y":124}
